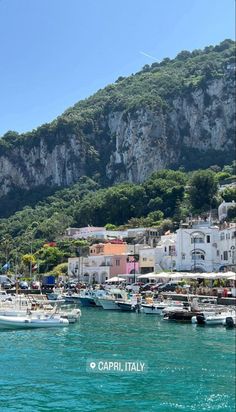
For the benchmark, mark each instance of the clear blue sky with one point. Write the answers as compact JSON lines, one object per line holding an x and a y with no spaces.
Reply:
{"x":56,"y":52}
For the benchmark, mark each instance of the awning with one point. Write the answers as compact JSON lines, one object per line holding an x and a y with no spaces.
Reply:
{"x":115,"y":279}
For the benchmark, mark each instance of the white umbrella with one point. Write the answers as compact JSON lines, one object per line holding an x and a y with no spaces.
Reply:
{"x":115,"y":279}
{"x":149,"y":276}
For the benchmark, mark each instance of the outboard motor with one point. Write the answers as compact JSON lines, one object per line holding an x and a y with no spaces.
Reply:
{"x":229,"y":322}
{"x":201,"y":319}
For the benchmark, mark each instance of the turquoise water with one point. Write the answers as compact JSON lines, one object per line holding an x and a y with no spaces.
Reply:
{"x":189,"y":368}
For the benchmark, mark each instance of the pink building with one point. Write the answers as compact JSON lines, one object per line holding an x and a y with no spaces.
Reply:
{"x":123,"y":264}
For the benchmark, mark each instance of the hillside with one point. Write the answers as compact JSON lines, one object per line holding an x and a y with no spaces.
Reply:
{"x":164,"y":199}
{"x":174,"y":113}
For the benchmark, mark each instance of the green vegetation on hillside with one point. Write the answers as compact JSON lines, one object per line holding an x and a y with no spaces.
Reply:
{"x":154,"y":87}
{"x":161,"y":201}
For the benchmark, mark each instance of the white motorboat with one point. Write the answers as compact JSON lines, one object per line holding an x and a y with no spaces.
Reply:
{"x":72,"y":298}
{"x":111,"y":300}
{"x":99,"y":294}
{"x":213,"y":318}
{"x":86,"y":298}
{"x":71,"y":315}
{"x":14,"y":309}
{"x":159,"y":308}
{"x":26,"y":322}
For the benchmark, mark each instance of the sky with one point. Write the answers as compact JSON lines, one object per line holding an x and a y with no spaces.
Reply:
{"x":57,"y":52}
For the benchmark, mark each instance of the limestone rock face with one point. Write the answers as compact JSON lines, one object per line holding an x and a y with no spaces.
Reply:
{"x":145,"y":141}
{"x":135,"y":143}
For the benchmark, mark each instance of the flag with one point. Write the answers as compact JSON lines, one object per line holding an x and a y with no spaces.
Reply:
{"x":6,"y":266}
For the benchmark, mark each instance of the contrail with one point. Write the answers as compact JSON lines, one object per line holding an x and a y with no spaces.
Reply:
{"x":148,"y":55}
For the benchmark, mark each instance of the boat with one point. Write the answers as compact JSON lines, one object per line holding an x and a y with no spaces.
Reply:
{"x":22,"y":308}
{"x":86,"y":298}
{"x":55,"y":298}
{"x":72,"y":298}
{"x":99,"y":294}
{"x":111,"y":300}
{"x":28,"y":322}
{"x":71,"y":315}
{"x":214,"y":318}
{"x":159,"y":308}
{"x":181,"y":315}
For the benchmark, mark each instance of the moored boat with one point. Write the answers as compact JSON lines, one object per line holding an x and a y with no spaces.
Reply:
{"x":26,"y":322}
{"x":216,"y":318}
{"x":86,"y":298}
{"x":111,"y":300}
{"x":181,"y":315}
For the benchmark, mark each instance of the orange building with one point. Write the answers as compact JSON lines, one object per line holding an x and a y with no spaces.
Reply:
{"x":108,"y":249}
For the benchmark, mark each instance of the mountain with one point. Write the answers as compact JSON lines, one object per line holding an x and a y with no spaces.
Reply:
{"x":176,"y":113}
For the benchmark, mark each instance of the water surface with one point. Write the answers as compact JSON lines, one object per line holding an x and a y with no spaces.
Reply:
{"x":190,"y":368}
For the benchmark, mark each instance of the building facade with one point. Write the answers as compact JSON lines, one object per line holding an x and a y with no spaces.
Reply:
{"x":196,"y":248}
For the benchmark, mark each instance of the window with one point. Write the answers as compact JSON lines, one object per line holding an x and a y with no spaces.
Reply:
{"x":222,"y":236}
{"x":208,"y":239}
{"x":165,"y":249}
{"x":197,"y":239}
{"x":144,"y":259}
{"x":218,"y":253}
{"x":225,"y":255}
{"x":117,"y":262}
{"x":198,"y":255}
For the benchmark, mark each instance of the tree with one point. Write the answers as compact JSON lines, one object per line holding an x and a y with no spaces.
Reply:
{"x":231,"y":215}
{"x":203,"y":188}
{"x":229,"y":194}
{"x":29,"y":260}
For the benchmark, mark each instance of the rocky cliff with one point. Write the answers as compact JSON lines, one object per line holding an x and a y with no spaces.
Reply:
{"x":178,"y":117}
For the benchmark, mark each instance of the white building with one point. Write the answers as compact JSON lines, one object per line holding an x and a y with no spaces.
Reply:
{"x":165,"y":253}
{"x":147,"y":260}
{"x":91,"y":268}
{"x":95,"y":232}
{"x":227,"y":245}
{"x":196,"y":248}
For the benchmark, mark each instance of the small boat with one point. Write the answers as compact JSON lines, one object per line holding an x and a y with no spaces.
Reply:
{"x":55,"y":298}
{"x":26,"y":322}
{"x":86,"y":298}
{"x":216,"y":318}
{"x":128,"y":306}
{"x":72,"y":298}
{"x":71,"y":315}
{"x":111,"y":300}
{"x":152,"y":308}
{"x":181,"y":315}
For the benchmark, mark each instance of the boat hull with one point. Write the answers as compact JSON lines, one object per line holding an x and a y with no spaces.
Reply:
{"x":86,"y":301}
{"x":181,"y":316}
{"x":152,"y":309}
{"x":109,"y":304}
{"x":127,"y":307}
{"x":12,"y":322}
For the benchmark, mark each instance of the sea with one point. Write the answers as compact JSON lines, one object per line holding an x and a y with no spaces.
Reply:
{"x":118,"y":361}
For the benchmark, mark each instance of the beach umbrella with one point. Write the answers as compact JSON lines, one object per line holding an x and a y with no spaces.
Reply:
{"x":115,"y":279}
